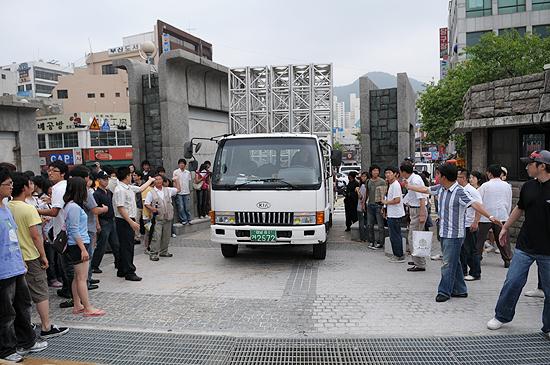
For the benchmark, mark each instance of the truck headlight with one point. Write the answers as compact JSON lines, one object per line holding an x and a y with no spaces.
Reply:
{"x":305,"y":218}
{"x":224,"y":217}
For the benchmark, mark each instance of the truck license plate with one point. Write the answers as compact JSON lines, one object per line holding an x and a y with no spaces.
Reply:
{"x":262,"y":236}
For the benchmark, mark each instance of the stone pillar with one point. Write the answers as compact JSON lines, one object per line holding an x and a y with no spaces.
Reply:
{"x":365,"y":86}
{"x":479,"y":150}
{"x":405,"y":117}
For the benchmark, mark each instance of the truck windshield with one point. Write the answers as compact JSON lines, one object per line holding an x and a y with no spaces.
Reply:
{"x":266,"y":164}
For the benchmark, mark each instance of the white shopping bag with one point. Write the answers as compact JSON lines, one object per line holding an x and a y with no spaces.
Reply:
{"x":422,"y":243}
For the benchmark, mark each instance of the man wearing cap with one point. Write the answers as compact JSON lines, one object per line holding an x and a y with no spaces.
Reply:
{"x":533,"y":242}
{"x":104,"y":198}
{"x":410,"y":160}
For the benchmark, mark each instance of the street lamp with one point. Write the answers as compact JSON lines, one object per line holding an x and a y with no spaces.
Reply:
{"x":150,"y":51}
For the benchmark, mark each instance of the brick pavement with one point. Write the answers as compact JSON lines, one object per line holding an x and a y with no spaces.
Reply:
{"x":283,"y":292}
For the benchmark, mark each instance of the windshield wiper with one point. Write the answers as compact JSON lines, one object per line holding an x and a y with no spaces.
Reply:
{"x":264,"y":180}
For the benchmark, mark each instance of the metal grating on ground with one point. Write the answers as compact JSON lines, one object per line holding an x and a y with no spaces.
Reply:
{"x":135,"y":348}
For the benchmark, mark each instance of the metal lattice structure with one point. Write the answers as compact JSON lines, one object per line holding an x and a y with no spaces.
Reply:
{"x":292,"y":98}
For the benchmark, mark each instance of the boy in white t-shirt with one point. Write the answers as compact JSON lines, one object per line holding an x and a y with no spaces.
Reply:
{"x":395,"y":213}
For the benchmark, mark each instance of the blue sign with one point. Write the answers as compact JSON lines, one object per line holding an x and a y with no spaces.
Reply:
{"x":165,"y":42}
{"x":65,"y":157}
{"x":105,"y":126}
{"x":27,"y":93}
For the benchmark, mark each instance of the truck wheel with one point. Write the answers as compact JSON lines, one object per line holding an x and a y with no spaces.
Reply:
{"x":320,"y":251}
{"x":229,"y":250}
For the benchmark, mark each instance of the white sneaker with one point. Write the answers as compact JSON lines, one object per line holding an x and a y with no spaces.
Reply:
{"x":487,"y":244}
{"x":439,"y":256}
{"x":15,"y":357}
{"x":489,"y":248}
{"x":396,"y":261}
{"x":174,"y":235}
{"x":494,"y":324}
{"x":547,"y":334}
{"x":535,"y":293}
{"x":37,"y":347}
{"x":497,"y":251}
{"x":471,"y":278}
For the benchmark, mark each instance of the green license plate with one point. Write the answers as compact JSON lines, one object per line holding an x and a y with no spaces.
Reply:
{"x":262,"y":236}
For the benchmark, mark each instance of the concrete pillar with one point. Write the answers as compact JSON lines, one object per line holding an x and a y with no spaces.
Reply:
{"x":365,"y":86}
{"x":405,"y":117}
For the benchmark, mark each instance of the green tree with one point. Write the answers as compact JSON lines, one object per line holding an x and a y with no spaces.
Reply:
{"x":338,"y":146}
{"x":492,"y":58}
{"x":357,"y":136}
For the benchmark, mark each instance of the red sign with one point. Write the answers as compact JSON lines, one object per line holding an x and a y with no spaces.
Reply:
{"x":112,"y":154}
{"x":443,"y":43}
{"x":441,"y":150}
{"x":94,"y":125}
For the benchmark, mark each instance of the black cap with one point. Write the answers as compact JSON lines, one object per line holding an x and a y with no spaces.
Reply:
{"x":102,"y":175}
{"x":537,"y":156}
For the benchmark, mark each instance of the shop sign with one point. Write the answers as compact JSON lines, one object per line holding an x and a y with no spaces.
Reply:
{"x":65,"y":157}
{"x":124,"y":49}
{"x":77,"y":154}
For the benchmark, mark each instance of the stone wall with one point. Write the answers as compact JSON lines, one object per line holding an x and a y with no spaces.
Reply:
{"x":152,"y":120}
{"x":383,"y":127}
{"x":508,"y":97}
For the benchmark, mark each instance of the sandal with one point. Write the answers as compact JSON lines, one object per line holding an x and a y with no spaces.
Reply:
{"x":99,"y":312}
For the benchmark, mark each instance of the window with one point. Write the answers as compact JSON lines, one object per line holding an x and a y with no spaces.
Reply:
{"x":476,"y":8}
{"x":520,"y":30}
{"x":46,"y":75}
{"x":21,"y":88}
{"x":3,"y":77}
{"x":124,"y":138}
{"x":541,"y":4}
{"x":70,"y":139}
{"x":102,"y":138}
{"x":55,"y":140}
{"x":510,"y":6}
{"x":91,"y":96}
{"x":28,"y":87}
{"x":62,"y":94}
{"x":109,"y":70}
{"x":44,"y":89}
{"x":117,"y":95}
{"x":542,"y":30}
{"x":41,"y":141}
{"x":101,"y":95}
{"x":473,"y":38}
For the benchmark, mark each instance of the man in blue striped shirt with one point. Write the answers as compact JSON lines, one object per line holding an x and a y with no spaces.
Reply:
{"x":453,"y":202}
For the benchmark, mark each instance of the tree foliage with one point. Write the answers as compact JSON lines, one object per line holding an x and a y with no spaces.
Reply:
{"x":357,"y":136}
{"x":492,"y":58}
{"x":338,"y":146}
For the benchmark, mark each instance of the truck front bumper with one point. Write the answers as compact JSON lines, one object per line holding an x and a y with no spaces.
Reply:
{"x":285,"y":235}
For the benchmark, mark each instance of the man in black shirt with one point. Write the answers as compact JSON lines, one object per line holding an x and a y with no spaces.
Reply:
{"x":104,"y":197}
{"x":533,"y":243}
{"x":350,"y":200}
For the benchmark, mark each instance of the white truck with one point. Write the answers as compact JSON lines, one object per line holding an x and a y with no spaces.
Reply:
{"x":272,"y":189}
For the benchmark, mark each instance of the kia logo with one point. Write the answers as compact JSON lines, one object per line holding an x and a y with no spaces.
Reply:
{"x":263,"y":205}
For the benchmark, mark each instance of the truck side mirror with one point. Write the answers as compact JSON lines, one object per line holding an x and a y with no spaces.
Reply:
{"x":336,"y":157}
{"x":198,"y":147}
{"x":193,"y":165}
{"x":188,"y":150}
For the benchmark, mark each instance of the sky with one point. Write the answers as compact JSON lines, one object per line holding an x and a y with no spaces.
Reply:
{"x":356,"y":36}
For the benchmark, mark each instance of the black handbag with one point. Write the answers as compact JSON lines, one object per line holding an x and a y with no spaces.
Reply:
{"x":61,"y":241}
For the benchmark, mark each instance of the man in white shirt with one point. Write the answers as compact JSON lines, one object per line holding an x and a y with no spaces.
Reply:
{"x":182,"y":198}
{"x":417,"y":210}
{"x":57,"y":172}
{"x":468,"y":252}
{"x":395,"y":213}
{"x":124,"y":204}
{"x":497,"y":199}
{"x":159,"y":202}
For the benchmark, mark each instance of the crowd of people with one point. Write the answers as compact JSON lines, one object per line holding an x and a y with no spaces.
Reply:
{"x":473,"y":211}
{"x":97,"y":209}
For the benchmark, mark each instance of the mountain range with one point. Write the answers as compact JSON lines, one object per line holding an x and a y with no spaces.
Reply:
{"x":381,"y":79}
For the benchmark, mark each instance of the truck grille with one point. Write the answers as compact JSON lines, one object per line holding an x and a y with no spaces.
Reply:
{"x":264,"y":218}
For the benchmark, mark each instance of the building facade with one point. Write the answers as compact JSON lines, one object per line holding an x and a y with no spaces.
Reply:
{"x":36,"y":79}
{"x":85,"y":138}
{"x":470,"y":19}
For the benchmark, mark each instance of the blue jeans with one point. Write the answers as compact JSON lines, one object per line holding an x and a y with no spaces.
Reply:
{"x":107,"y":234}
{"x":15,"y":315}
{"x":374,"y":213}
{"x":362,"y":226}
{"x":394,"y":226}
{"x":202,"y":195}
{"x":90,"y":249}
{"x":515,"y":281}
{"x":452,"y":277}
{"x":184,"y":208}
{"x":469,"y":256}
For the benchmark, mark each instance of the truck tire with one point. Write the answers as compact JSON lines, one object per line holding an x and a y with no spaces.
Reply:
{"x":320,"y":251}
{"x":229,"y":250}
